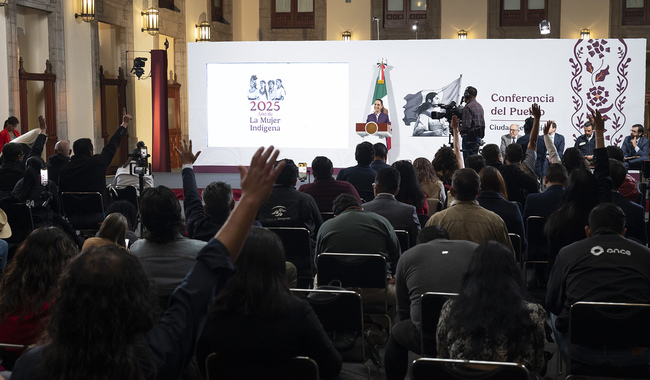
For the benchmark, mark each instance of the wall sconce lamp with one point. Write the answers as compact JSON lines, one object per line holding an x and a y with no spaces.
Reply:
{"x":462,"y":34}
{"x":346,"y":36}
{"x":584,"y":34}
{"x":203,"y":32}
{"x":544,"y":27}
{"x":87,"y":10}
{"x":3,"y":3}
{"x":150,"y":21}
{"x":415,"y":27}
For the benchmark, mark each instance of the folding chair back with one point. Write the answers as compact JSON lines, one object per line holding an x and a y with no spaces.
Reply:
{"x":297,"y":247}
{"x":129,"y":194}
{"x":298,"y":368}
{"x":449,"y":369}
{"x":84,"y":210}
{"x":430,"y":307}
{"x":404,"y":240}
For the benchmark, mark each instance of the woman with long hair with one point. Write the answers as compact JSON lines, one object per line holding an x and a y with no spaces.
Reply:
{"x":112,"y":231}
{"x":494,"y":197}
{"x":410,"y":191}
{"x":257,"y":315}
{"x":429,"y":181}
{"x":445,"y":163}
{"x":491,"y":319}
{"x":29,"y":286}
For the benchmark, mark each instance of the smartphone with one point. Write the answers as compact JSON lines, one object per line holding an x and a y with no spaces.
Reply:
{"x":44,"y":177}
{"x":143,"y":153}
{"x":302,"y":171}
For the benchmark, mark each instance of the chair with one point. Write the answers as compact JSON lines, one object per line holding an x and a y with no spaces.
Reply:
{"x":341,"y":314}
{"x":326,"y":215}
{"x":450,"y":369}
{"x":515,"y":239}
{"x":128,"y":193}
{"x":297,"y":368}
{"x":9,"y":357}
{"x":84,"y":210}
{"x":611,"y":326}
{"x":404,"y":240}
{"x":537,"y":251}
{"x":297,"y":248}
{"x":430,"y":307}
{"x":350,"y":270}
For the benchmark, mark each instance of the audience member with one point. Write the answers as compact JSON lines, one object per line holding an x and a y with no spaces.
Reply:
{"x":556,"y":140}
{"x":491,"y":318}
{"x":574,"y":159}
{"x":87,"y":171}
{"x":29,"y":287}
{"x":586,"y":142}
{"x":9,"y":131}
{"x":635,"y":227}
{"x":635,"y":148}
{"x":325,"y":188}
{"x":353,"y":230}
{"x":381,"y":154}
{"x":604,"y":267}
{"x":435,"y":266}
{"x":541,"y":148}
{"x":492,"y":155}
{"x":361,"y":176}
{"x":128,"y":210}
{"x":203,"y":221}
{"x":629,"y":189}
{"x":106,"y":308}
{"x":56,"y":161}
{"x":287,"y":207}
{"x":518,"y":184}
{"x":256,"y":315}
{"x":164,"y":253}
{"x":583,"y":192}
{"x":14,"y":158}
{"x":545,"y":203}
{"x":465,"y":219}
{"x":111,"y":232}
{"x":476,"y":162}
{"x":494,"y":197}
{"x":445,"y":163}
{"x":509,"y":138}
{"x":429,"y":182}
{"x":410,"y":191}
{"x":402,"y":216}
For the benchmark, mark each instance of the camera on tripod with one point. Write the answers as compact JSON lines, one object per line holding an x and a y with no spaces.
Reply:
{"x":141,"y":158}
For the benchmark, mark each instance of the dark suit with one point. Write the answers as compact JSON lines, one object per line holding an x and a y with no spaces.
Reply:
{"x":508,"y":211}
{"x":544,"y":204}
{"x":505,"y":141}
{"x":628,"y":150}
{"x":377,"y":165}
{"x":383,"y":118}
{"x":586,"y":146}
{"x":401,"y":216}
{"x":361,"y":177}
{"x":634,"y":218}
{"x":518,"y":183}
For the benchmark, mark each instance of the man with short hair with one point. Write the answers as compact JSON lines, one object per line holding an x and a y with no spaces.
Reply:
{"x":325,"y":188}
{"x":473,"y":120}
{"x":87,"y":171}
{"x":604,"y":267}
{"x":465,"y":219}
{"x":635,"y":148}
{"x":401,"y":216}
{"x":492,"y":155}
{"x":287,"y":207}
{"x":634,"y":213}
{"x":586,"y":142}
{"x":381,"y":154}
{"x":476,"y":162}
{"x":362,"y":175}
{"x":544,"y":204}
{"x":518,"y":183}
{"x":509,"y":138}
{"x":56,"y":161}
{"x":435,"y":266}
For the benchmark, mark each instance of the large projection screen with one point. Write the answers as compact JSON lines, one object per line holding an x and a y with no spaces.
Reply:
{"x":326,"y":87}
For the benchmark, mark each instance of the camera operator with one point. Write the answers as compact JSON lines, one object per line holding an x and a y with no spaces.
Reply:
{"x":473,"y":123}
{"x":129,"y":173}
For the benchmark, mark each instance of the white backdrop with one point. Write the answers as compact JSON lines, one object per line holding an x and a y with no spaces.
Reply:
{"x":566,"y":77}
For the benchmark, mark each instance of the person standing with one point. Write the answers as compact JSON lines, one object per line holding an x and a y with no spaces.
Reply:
{"x":473,"y":119}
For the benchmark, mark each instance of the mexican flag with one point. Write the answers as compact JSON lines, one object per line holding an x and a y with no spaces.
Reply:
{"x":380,"y":92}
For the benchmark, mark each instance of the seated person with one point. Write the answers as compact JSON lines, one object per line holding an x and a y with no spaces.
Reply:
{"x":635,"y":148}
{"x":361,"y":176}
{"x":29,"y":287}
{"x":491,"y":319}
{"x":256,"y":315}
{"x":325,"y":188}
{"x":111,"y":232}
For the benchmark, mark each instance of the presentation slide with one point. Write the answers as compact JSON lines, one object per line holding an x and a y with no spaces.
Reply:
{"x":285,"y":104}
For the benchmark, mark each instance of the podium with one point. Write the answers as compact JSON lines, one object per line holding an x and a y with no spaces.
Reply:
{"x":374,"y":129}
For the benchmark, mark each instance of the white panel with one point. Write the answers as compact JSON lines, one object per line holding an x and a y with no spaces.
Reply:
{"x":395,"y":5}
{"x":305,"y":5}
{"x":536,"y":4}
{"x":511,"y":5}
{"x":283,"y":5}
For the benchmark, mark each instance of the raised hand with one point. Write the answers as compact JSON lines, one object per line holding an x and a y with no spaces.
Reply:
{"x":535,"y":111}
{"x":185,"y":154}
{"x":257,"y":180}
{"x":126,"y":118}
{"x":42,"y":125}
{"x":454,"y":124}
{"x":547,"y":127}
